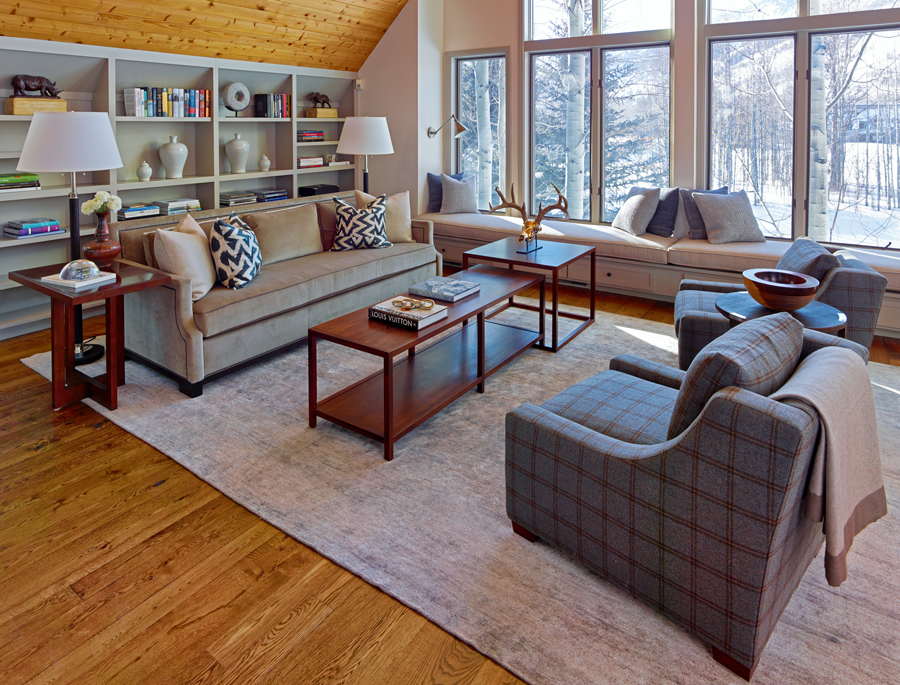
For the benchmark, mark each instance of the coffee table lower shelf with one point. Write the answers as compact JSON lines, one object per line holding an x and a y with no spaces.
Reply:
{"x":425,"y":383}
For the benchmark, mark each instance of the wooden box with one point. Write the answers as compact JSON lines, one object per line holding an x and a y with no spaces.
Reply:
{"x":32,"y":105}
{"x":321,"y":113}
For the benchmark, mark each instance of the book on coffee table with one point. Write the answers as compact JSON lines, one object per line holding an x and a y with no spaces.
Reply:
{"x":444,"y":289}
{"x":413,"y":319}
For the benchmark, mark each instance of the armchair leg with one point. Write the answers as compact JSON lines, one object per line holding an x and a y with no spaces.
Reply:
{"x":524,"y":532}
{"x":728,"y":662}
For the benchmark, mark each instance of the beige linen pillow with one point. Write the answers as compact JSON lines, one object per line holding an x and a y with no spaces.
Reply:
{"x":397,"y":217}
{"x":729,"y":218}
{"x":286,"y":234}
{"x":637,"y":210}
{"x":184,"y":251}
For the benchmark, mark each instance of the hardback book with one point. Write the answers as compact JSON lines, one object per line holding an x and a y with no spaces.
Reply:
{"x":103,"y":277}
{"x":413,"y":319}
{"x":20,"y":189}
{"x":33,"y":223}
{"x":15,"y":235}
{"x":444,"y":289}
{"x":9,"y":229}
{"x":19,"y":178}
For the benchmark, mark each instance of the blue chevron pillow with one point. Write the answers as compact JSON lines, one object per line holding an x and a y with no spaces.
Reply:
{"x":235,"y":252}
{"x":359,"y":229}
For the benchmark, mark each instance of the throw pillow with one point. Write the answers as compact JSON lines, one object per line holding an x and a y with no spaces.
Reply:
{"x":435,"y":191}
{"x":638,"y":209}
{"x":235,"y":252}
{"x":460,"y":197}
{"x":327,"y":224}
{"x":806,"y":256}
{"x":696,"y":227}
{"x":397,"y":215}
{"x":184,"y":251}
{"x":663,"y":221}
{"x":359,"y":229}
{"x":729,"y":218}
{"x":286,"y":234}
{"x":758,"y":355}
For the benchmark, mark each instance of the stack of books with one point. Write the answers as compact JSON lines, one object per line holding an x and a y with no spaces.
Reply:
{"x":16,"y":183}
{"x":241,"y":197}
{"x":310,"y":162}
{"x":270,"y":194}
{"x":181,"y":205}
{"x":99,"y":279}
{"x":411,"y":319}
{"x":444,"y":289}
{"x":166,"y":102}
{"x":138,"y":210}
{"x":29,"y":228}
{"x":339,"y":162}
{"x":310,"y":136}
{"x":272,"y":105}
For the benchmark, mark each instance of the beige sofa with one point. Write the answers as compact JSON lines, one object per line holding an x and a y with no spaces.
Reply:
{"x":649,"y":265}
{"x":197,"y":342}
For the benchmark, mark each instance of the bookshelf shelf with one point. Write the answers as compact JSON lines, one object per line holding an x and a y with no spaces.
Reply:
{"x":164,"y":182}
{"x":257,"y":120}
{"x":319,"y":143}
{"x":323,"y":120}
{"x":323,"y":169}
{"x":163,"y":120}
{"x":13,"y":242}
{"x":271,"y":173}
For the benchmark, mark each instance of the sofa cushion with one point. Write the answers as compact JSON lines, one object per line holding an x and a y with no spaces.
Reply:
{"x":435,"y":191}
{"x":184,"y":251}
{"x":619,"y":405}
{"x":609,"y":241}
{"x":729,"y":218}
{"x":884,"y":262}
{"x":758,"y":355}
{"x":663,"y":221}
{"x":235,"y":252}
{"x":696,"y":227}
{"x":397,"y":215}
{"x":270,"y":292}
{"x":637,"y":211}
{"x":331,"y":273}
{"x":286,"y":234}
{"x":806,"y":256}
{"x":360,"y":229}
{"x":736,"y":257}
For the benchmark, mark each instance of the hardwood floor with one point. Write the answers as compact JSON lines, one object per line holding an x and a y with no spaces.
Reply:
{"x":118,"y":565}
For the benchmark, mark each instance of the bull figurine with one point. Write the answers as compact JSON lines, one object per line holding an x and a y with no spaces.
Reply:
{"x":46,"y":88}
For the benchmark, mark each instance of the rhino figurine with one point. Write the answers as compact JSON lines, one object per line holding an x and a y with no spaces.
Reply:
{"x":21,"y":83}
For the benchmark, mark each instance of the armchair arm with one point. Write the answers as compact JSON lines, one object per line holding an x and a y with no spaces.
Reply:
{"x":648,"y":370}
{"x":813,"y":340}
{"x":710,"y":286}
{"x":858,"y":293}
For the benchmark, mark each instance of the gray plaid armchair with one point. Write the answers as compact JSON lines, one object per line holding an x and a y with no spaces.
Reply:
{"x":845,"y":283}
{"x":682,"y":488}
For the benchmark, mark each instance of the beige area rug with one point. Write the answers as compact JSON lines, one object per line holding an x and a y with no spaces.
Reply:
{"x":430,"y":528}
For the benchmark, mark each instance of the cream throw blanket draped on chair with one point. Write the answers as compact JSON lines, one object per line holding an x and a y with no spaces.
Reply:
{"x":845,"y":488}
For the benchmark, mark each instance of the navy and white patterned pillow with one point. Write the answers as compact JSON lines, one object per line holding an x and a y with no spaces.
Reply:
{"x":235,"y":252}
{"x":359,"y":229}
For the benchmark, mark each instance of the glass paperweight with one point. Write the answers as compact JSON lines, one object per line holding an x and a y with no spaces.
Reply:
{"x":79,"y":270}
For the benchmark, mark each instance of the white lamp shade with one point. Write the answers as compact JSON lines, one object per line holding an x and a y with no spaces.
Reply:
{"x":365,"y":136}
{"x":69,"y":141}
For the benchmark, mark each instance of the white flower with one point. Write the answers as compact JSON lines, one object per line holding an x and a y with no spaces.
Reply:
{"x":102,"y":202}
{"x":115,"y":204}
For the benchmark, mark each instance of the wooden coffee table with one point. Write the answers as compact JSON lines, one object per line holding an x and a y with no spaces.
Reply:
{"x":739,"y":306}
{"x":552,"y":256}
{"x":69,"y":384}
{"x":389,"y":404}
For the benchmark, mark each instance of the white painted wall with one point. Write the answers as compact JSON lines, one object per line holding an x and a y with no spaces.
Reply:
{"x":431,"y":92}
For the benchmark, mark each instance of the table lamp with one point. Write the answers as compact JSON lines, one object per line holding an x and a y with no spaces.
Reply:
{"x":365,"y":136}
{"x":70,"y":142}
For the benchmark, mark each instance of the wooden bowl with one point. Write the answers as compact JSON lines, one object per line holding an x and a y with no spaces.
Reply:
{"x":780,"y":290}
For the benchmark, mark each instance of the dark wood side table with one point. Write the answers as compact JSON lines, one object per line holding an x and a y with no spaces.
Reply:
{"x":552,"y":256}
{"x":69,"y":384}
{"x":817,"y":316}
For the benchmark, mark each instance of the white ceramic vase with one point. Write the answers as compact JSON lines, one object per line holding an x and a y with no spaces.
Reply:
{"x":144,"y":172}
{"x":265,"y":163}
{"x":237,"y":151}
{"x":173,"y":155}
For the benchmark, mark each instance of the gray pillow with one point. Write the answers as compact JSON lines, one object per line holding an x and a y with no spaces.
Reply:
{"x":806,"y":256}
{"x":435,"y":194}
{"x":663,"y":221}
{"x":639,"y":208}
{"x":729,"y":218}
{"x":696,"y":227}
{"x":459,"y":197}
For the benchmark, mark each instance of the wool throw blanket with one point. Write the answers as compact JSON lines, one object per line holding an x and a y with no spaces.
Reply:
{"x":845,"y":488}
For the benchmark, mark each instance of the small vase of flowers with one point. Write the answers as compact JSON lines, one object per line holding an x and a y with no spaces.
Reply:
{"x":102,"y":250}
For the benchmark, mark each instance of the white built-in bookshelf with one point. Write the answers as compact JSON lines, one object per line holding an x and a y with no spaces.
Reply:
{"x":93,"y":79}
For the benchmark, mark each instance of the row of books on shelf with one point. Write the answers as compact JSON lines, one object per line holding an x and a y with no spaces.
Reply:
{"x":166,"y":102}
{"x":250,"y":197}
{"x":17,"y":183}
{"x":272,"y":105}
{"x":30,"y":228}
{"x":141,"y":210}
{"x":310,"y":136}
{"x":312,"y":162}
{"x":439,"y":288}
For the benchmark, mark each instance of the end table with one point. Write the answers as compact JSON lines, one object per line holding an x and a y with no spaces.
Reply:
{"x":69,"y":384}
{"x":740,"y":306}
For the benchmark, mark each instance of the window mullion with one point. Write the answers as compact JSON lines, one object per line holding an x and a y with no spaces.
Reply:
{"x":801,"y":132}
{"x":596,"y":136}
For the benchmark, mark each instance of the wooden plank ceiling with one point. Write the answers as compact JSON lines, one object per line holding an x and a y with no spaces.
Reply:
{"x":331,"y":34}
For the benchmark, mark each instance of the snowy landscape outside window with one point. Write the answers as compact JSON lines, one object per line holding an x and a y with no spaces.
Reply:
{"x":481,"y":107}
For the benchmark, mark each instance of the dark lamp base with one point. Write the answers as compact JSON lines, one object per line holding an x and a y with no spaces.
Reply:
{"x":88,"y":355}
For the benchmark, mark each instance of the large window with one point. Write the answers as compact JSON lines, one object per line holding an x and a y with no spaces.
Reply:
{"x":560,"y":19}
{"x":751,"y":129}
{"x":481,"y":107}
{"x":620,"y":16}
{"x":750,"y":10}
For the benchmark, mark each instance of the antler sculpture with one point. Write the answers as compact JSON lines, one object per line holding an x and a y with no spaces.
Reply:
{"x":531,"y":227}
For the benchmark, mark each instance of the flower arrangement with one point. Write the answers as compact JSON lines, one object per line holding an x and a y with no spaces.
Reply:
{"x":102,"y":202}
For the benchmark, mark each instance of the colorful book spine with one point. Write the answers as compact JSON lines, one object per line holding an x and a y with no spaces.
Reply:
{"x":50,"y":228}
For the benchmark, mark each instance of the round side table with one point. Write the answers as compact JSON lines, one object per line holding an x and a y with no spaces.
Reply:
{"x":817,"y":316}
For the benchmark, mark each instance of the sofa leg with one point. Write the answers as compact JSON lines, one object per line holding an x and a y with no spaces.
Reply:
{"x":190,"y":389}
{"x":524,"y":532}
{"x":731,"y":664}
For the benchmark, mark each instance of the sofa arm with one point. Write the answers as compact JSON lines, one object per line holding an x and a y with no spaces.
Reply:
{"x":859,"y":294}
{"x":648,"y":370}
{"x":423,"y":231}
{"x":814,"y":340}
{"x":710,"y":286}
{"x":159,"y":326}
